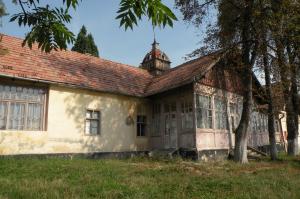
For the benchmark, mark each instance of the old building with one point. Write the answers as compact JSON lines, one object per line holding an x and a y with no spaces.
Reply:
{"x":66,"y":102}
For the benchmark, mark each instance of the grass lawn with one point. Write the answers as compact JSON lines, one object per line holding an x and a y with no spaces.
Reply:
{"x":146,"y":178}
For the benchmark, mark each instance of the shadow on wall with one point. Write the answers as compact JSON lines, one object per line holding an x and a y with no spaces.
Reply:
{"x":115,"y":133}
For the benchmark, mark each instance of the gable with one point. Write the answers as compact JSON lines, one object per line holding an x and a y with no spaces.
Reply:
{"x":222,"y":78}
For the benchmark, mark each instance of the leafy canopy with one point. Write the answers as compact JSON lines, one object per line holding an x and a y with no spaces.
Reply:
{"x":48,"y":24}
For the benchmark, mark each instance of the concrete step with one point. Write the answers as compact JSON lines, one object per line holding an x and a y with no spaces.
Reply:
{"x":164,"y":153}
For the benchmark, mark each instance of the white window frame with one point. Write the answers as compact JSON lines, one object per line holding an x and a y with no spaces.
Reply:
{"x":92,"y":119}
{"x":224,"y":101}
{"x":207,"y":109}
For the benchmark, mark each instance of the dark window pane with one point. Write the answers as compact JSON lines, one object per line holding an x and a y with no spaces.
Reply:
{"x":141,"y":125}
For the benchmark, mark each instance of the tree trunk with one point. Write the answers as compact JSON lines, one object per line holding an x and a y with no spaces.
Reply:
{"x":293,"y":142}
{"x":294,"y":102}
{"x":241,"y":137}
{"x":271,"y":115}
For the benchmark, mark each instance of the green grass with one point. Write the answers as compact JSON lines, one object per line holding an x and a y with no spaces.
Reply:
{"x":145,"y":178}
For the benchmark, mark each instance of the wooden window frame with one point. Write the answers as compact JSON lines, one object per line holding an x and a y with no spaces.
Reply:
{"x":44,"y":105}
{"x":156,"y":122}
{"x":93,"y":119}
{"x":186,"y":111}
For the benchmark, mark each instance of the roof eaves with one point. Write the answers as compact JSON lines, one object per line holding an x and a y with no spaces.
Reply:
{"x":70,"y":85}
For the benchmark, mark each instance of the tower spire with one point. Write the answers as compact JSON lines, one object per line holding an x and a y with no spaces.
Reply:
{"x":155,"y":45}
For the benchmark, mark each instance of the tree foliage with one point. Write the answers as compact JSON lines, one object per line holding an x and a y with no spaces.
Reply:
{"x":131,"y":11}
{"x":48,"y":24}
{"x":2,"y":9}
{"x":84,"y":43}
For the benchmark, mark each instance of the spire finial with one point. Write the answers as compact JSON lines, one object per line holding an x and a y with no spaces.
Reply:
{"x":153,"y":28}
{"x":155,"y":45}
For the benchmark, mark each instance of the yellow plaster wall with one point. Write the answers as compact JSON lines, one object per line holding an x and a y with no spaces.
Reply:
{"x":66,"y":118}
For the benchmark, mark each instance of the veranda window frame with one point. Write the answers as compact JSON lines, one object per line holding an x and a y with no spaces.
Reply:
{"x":156,"y":120}
{"x":207,"y":109}
{"x":186,"y":112}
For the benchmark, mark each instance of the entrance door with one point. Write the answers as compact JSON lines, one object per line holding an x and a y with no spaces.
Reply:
{"x":170,"y":125}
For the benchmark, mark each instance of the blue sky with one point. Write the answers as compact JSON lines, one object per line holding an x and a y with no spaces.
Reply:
{"x":115,"y":43}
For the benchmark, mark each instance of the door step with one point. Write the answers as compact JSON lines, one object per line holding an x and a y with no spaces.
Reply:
{"x":190,"y":153}
{"x":163,"y":153}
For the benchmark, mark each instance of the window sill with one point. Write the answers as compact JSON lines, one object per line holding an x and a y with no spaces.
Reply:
{"x":97,"y":135}
{"x":155,"y":136}
{"x":213,"y":130}
{"x":141,"y":137}
{"x":25,"y":131}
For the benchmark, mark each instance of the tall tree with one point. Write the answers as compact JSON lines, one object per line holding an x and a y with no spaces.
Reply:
{"x":264,"y":61}
{"x":2,"y":13}
{"x":84,"y":43}
{"x":2,"y":10}
{"x":286,"y":35}
{"x":247,"y":26}
{"x":233,"y":32}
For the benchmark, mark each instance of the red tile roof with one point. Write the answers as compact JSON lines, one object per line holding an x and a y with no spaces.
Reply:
{"x":181,"y":75}
{"x":75,"y":69}
{"x":72,"y":68}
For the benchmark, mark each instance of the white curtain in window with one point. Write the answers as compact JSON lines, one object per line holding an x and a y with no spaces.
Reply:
{"x":3,"y":113}
{"x":34,"y":116}
{"x":17,"y":116}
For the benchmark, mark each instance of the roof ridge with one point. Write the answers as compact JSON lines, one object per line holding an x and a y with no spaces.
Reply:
{"x":189,"y":62}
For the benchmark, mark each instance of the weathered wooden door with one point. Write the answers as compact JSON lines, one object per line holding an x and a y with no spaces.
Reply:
{"x":170,"y":125}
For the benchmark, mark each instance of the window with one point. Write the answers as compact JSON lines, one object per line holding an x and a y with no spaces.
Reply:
{"x":204,"y":112}
{"x":141,"y":125}
{"x":156,"y":117}
{"x":254,"y":121}
{"x":220,"y":113}
{"x":22,"y":108}
{"x":187,"y":115}
{"x":264,"y":120}
{"x":92,"y":122}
